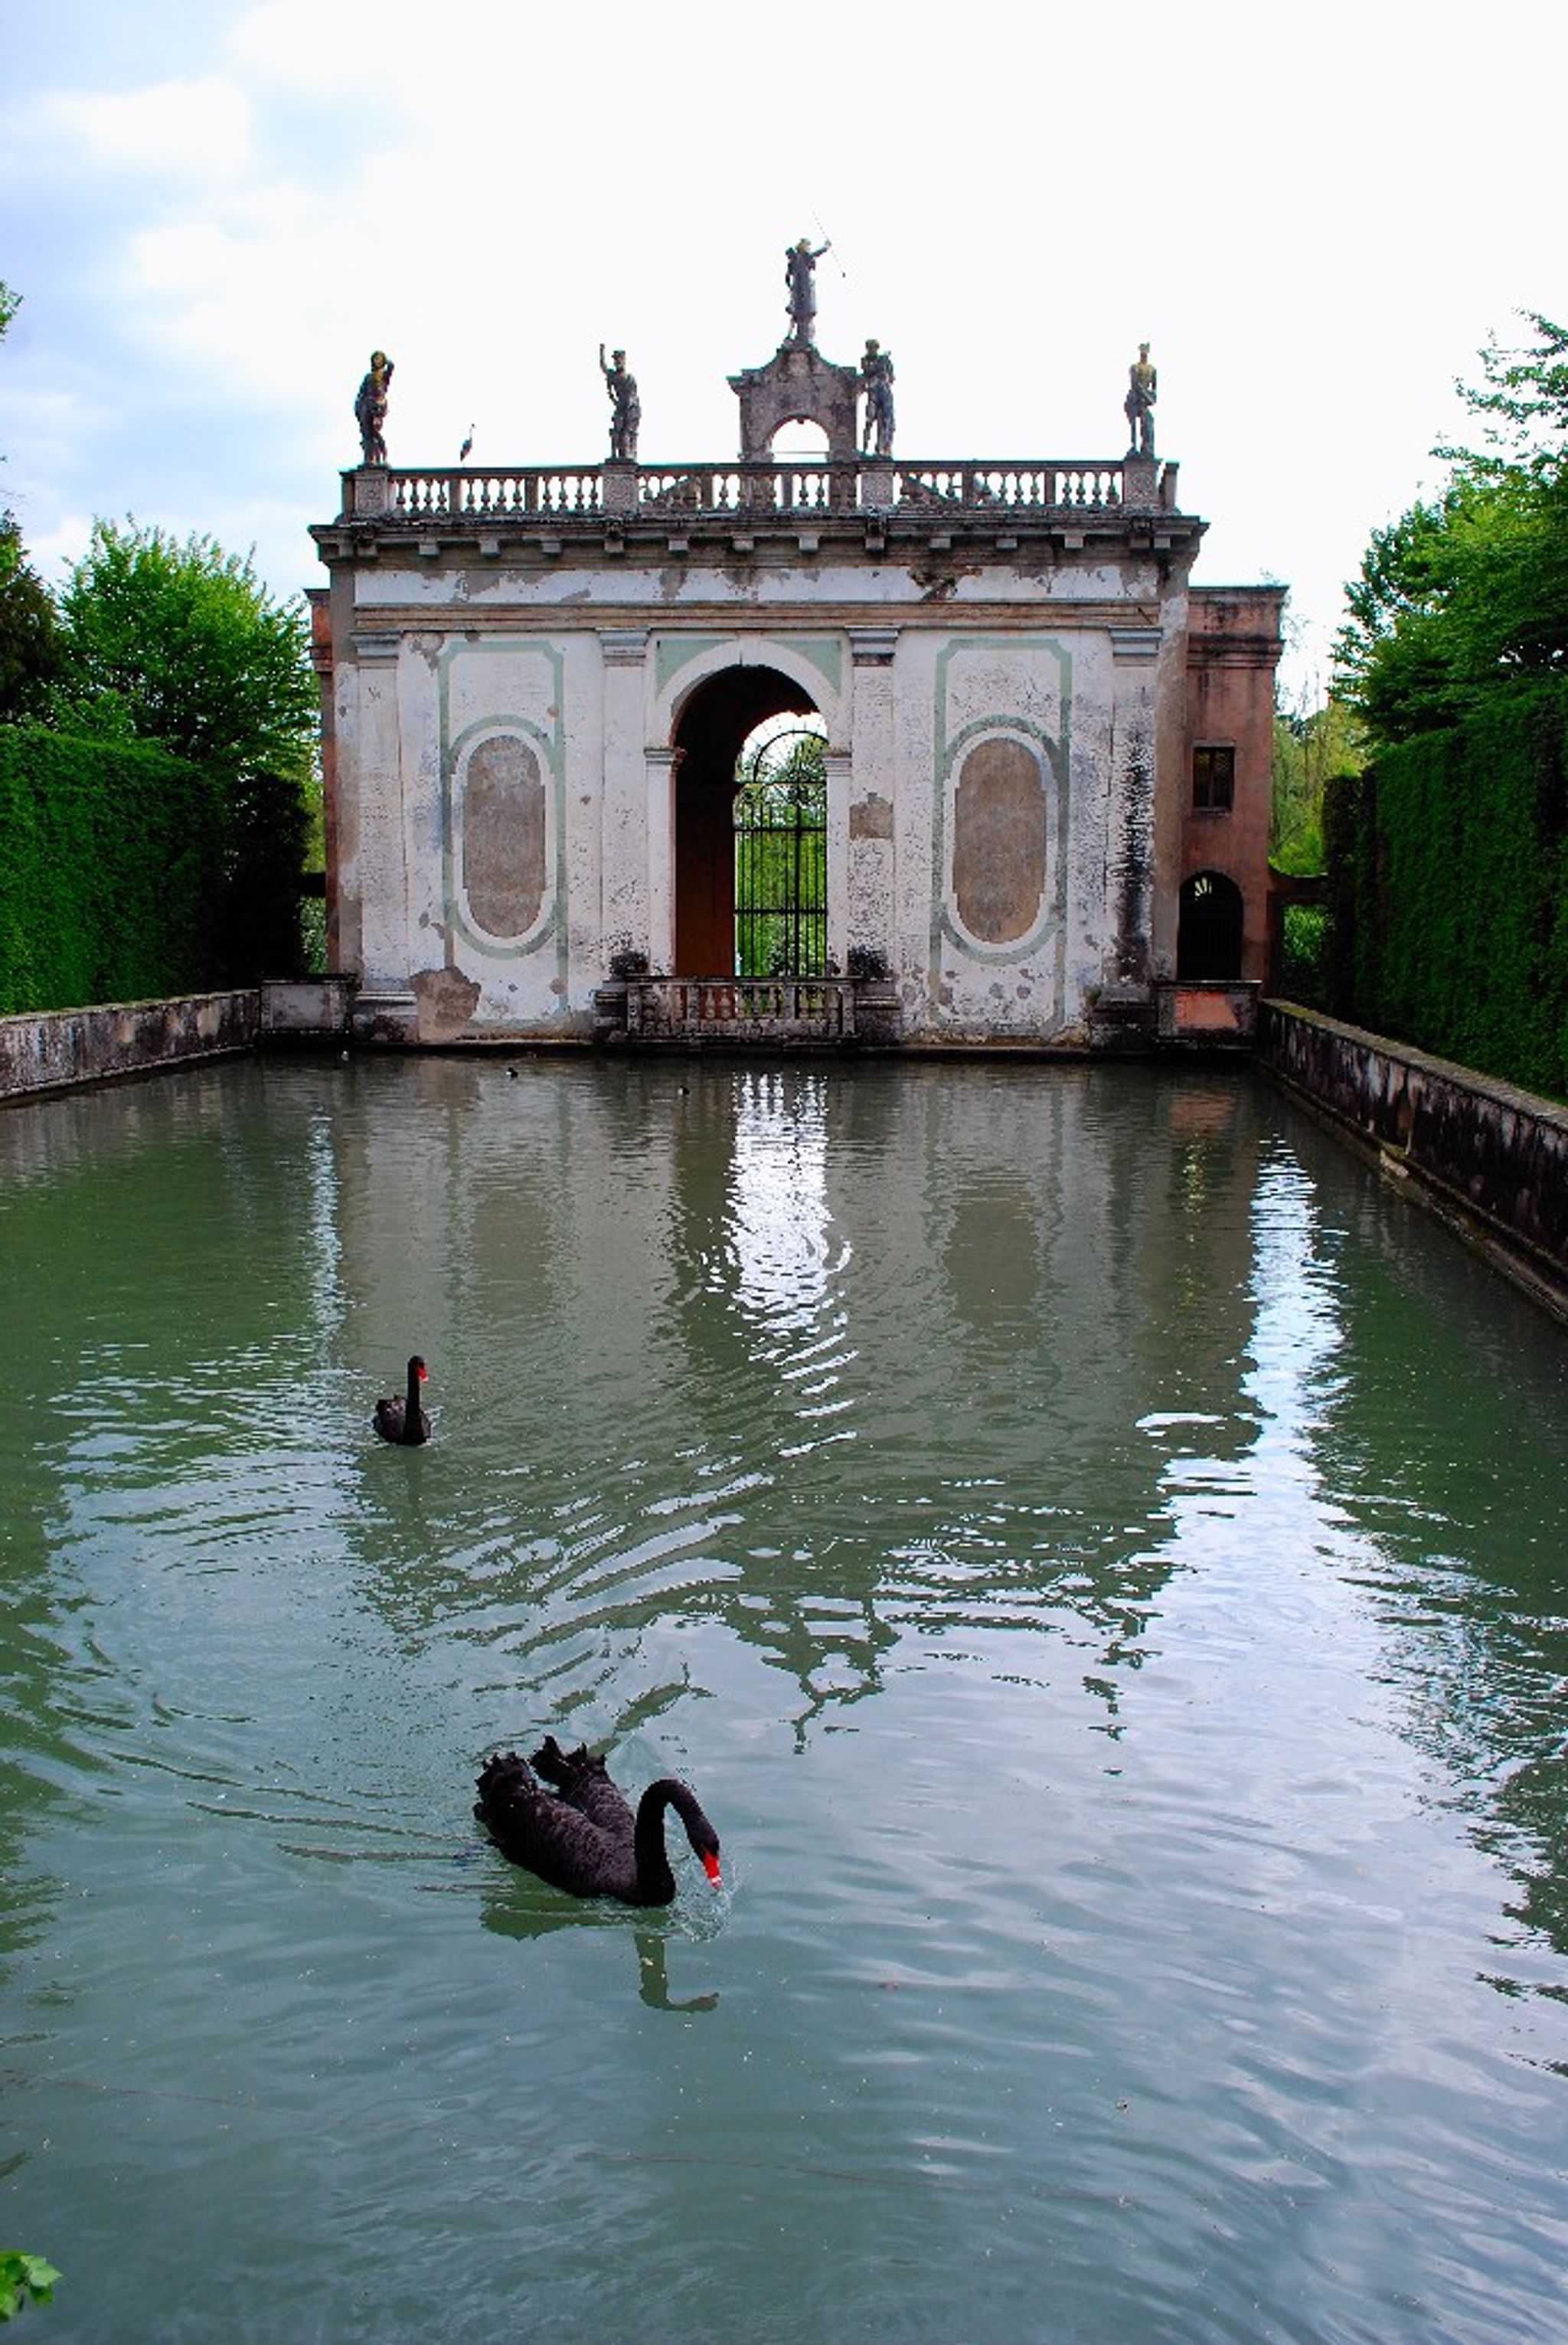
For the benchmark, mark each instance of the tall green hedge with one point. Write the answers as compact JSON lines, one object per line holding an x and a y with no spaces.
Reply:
{"x":1449,"y":891}
{"x":112,"y":872}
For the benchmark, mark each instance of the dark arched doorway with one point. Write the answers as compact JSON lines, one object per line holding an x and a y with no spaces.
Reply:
{"x":710,"y":734}
{"x":1209,"y":926}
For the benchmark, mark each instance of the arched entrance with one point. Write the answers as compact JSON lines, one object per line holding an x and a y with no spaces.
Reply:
{"x":1210,"y":923}
{"x":713,"y":729}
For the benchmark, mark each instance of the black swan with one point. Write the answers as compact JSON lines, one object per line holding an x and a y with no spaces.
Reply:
{"x":406,"y":1420}
{"x":583,"y":1836}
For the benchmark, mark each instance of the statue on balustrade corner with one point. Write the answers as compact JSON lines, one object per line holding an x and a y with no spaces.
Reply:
{"x":800,"y":277}
{"x":1142,"y":384}
{"x":371,"y":409}
{"x":876,"y":382}
{"x":625,"y":408}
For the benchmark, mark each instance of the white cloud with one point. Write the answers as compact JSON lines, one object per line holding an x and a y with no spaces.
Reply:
{"x":487,"y":194}
{"x":172,"y":129}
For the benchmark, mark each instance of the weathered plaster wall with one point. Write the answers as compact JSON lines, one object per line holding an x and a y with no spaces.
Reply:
{"x":991,"y":813}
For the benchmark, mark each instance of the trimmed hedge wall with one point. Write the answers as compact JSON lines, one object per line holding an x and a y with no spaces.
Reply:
{"x":111,"y":872}
{"x":1447,"y":866}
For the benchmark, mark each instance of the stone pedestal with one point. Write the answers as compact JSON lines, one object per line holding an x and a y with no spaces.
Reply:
{"x":1140,"y":484}
{"x":618,"y":487}
{"x":367,"y":491}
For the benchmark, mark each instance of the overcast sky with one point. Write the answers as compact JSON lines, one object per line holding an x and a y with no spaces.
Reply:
{"x":215,"y":208}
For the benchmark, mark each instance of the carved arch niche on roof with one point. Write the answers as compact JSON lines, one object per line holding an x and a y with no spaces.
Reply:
{"x":797,"y":385}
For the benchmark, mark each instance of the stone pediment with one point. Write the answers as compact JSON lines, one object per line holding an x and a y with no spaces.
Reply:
{"x":797,"y":385}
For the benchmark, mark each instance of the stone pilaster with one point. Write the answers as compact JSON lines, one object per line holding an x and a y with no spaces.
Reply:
{"x":871,"y":846}
{"x":623,"y":810}
{"x":662,"y":768}
{"x":378,"y":881}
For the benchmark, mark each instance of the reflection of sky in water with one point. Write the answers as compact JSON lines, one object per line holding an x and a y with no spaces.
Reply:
{"x":779,"y":1233}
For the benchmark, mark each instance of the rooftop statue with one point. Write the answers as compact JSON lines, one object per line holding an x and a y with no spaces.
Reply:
{"x":800,"y":277}
{"x":876,"y":382}
{"x":1142,"y":382}
{"x":625,"y":407}
{"x":371,"y":409}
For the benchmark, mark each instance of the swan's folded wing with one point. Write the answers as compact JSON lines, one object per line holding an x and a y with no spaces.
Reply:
{"x":534,"y":1829}
{"x":584,"y":1783}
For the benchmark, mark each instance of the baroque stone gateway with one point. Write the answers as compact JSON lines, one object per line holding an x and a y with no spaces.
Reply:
{"x":957,"y":739}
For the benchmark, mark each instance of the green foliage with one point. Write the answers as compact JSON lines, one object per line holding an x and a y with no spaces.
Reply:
{"x":10,"y":303}
{"x":181,"y":645}
{"x":1448,"y":861}
{"x":1350,"y":855}
{"x":29,"y":636}
{"x":1449,"y":891}
{"x":1304,"y":959}
{"x":1523,"y":406}
{"x":1309,"y":745}
{"x":23,"y":2279}
{"x":1463,"y":601}
{"x":263,"y":932}
{"x":114,"y":873}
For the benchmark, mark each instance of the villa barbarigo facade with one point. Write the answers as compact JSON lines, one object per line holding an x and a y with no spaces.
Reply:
{"x":835,"y":751}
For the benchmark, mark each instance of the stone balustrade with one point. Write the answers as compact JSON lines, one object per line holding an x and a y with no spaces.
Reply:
{"x":803,"y":489}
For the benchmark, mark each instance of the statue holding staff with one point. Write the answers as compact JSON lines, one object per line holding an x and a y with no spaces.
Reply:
{"x":1142,"y":382}
{"x":800,"y":277}
{"x":371,"y":409}
{"x":625,"y":408}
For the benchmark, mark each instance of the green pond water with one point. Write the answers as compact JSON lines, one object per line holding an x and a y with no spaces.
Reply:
{"x":1099,"y":1554}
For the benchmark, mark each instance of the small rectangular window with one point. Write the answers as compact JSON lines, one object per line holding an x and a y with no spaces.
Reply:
{"x":1214,"y":777}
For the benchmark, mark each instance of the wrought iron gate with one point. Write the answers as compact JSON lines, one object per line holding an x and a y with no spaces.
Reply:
{"x":781,"y":857}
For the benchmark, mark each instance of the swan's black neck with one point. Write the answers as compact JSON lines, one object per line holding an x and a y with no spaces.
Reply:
{"x":655,"y":1881}
{"x":413,"y":1429}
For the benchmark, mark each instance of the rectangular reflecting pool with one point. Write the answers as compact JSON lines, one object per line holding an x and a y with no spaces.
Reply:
{"x":1099,"y":1554}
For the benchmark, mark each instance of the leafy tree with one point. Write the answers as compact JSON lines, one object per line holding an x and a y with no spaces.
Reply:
{"x":29,"y":634}
{"x":181,"y":644}
{"x":1465,"y":597}
{"x":1524,"y":403}
{"x":9,"y":304}
{"x":1311,"y":746}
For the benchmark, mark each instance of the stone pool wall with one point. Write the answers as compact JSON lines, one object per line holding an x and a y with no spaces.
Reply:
{"x":53,"y":1050}
{"x":1493,"y":1160}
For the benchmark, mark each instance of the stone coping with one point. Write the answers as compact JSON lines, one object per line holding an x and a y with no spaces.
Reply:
{"x":1491,"y":1158}
{"x":59,"y":1049}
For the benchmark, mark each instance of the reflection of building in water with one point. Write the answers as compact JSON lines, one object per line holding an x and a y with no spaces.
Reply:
{"x":831,"y":1359}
